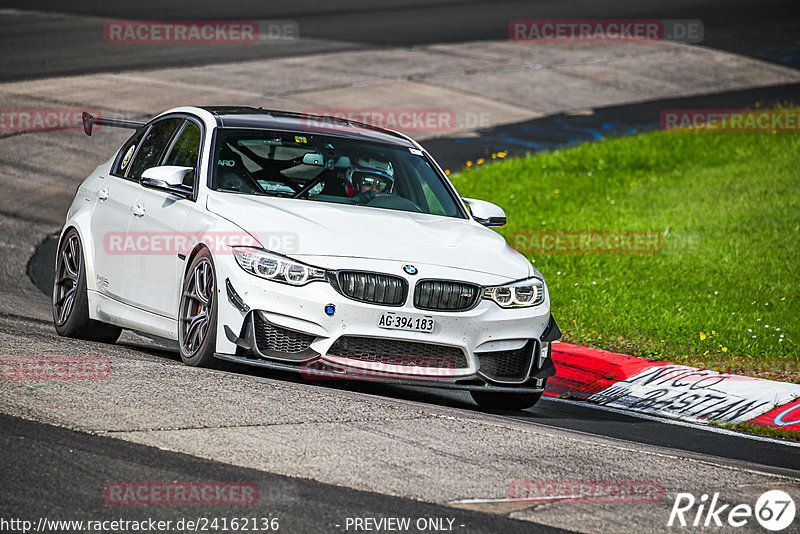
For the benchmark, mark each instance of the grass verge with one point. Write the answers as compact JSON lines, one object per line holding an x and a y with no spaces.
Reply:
{"x":758,"y":429}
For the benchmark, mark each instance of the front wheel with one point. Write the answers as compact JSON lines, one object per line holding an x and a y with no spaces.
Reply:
{"x":505,"y":400}
{"x":197,"y":316}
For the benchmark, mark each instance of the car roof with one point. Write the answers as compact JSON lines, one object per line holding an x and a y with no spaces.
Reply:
{"x":267,"y":119}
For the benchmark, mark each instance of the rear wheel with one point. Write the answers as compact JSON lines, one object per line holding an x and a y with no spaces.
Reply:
{"x":70,"y":302}
{"x":505,"y":401}
{"x":197,"y":316}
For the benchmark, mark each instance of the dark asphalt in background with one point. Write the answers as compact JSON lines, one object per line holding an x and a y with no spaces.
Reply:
{"x":560,"y":130}
{"x":55,"y":473}
{"x":51,"y":45}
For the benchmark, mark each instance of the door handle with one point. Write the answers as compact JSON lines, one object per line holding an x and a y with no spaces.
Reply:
{"x":138,"y":210}
{"x":102,"y":195}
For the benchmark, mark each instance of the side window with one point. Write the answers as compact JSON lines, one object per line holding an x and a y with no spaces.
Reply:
{"x":152,"y":147}
{"x":185,"y":151}
{"x":127,"y":152}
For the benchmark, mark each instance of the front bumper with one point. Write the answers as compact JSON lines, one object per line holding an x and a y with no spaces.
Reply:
{"x":474,"y":336}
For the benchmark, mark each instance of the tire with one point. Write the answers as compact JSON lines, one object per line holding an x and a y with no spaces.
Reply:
{"x":70,"y":302}
{"x":197,"y":313}
{"x":505,"y":401}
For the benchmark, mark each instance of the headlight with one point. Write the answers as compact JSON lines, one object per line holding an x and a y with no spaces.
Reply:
{"x":521,"y":294}
{"x":276,"y":267}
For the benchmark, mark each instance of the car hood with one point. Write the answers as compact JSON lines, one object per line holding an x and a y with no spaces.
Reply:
{"x":298,"y":228}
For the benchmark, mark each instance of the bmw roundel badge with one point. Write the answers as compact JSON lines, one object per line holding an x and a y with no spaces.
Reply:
{"x":410,"y":269}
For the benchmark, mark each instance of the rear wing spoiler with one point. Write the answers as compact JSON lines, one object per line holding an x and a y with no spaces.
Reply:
{"x":90,"y":120}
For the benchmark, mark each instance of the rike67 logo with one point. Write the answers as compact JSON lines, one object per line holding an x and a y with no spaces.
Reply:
{"x":774,"y":510}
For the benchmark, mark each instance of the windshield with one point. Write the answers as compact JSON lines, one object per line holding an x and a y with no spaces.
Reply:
{"x":329,"y":169}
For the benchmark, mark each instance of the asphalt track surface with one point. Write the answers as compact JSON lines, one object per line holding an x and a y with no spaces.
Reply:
{"x":75,"y":465}
{"x":79,"y":465}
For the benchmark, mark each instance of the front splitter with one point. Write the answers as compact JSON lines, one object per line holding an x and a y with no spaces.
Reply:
{"x":375,"y":376}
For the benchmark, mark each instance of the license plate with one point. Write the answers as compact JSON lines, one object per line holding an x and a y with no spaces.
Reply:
{"x":400,"y":321}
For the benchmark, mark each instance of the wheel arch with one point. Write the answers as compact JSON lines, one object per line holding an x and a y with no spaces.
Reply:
{"x":80,"y":223}
{"x":190,"y":258}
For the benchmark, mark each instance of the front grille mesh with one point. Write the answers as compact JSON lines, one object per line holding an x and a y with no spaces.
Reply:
{"x":506,"y":365}
{"x":375,"y":288}
{"x":276,"y":339}
{"x":398,"y":352}
{"x":444,"y":295}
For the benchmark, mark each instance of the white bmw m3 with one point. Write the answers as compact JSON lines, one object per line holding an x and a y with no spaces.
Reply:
{"x":301,"y":243}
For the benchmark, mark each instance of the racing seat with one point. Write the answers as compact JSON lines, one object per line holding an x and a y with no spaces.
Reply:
{"x":336,"y":185}
{"x":232,"y":175}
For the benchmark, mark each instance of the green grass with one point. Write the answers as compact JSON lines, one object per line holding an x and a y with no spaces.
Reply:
{"x":728,"y":205}
{"x":758,"y":429}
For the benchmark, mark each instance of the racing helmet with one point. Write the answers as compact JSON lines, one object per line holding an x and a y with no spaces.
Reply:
{"x":377,"y":175}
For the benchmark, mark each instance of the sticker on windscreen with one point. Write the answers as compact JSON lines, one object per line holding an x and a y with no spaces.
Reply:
{"x":127,"y":158}
{"x":415,"y":151}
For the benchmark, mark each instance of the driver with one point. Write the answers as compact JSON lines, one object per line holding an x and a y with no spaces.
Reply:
{"x":369,"y":181}
{"x":370,"y":177}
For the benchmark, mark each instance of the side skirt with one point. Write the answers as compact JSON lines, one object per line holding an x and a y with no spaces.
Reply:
{"x":108,"y":310}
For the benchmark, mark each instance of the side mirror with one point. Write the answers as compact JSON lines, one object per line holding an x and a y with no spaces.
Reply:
{"x":168,"y":178}
{"x":486,"y":213}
